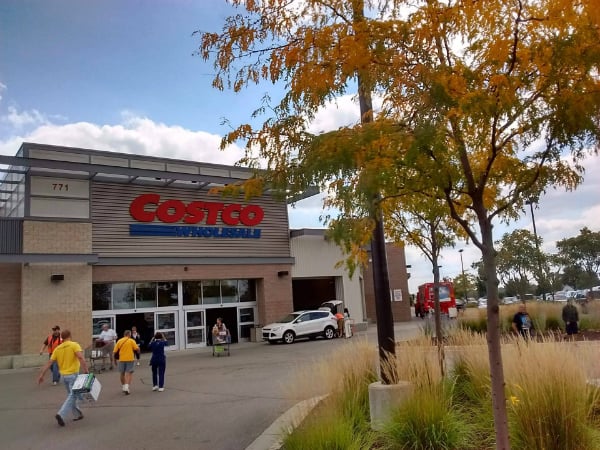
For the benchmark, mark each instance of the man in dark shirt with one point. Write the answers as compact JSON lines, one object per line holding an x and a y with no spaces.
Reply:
{"x":570,"y":316}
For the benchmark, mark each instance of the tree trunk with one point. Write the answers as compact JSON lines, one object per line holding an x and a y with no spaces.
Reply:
{"x":439,"y":333}
{"x":493,"y":337}
{"x":381,"y":283}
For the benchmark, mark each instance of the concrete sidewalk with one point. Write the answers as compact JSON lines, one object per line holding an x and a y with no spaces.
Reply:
{"x":213,"y":403}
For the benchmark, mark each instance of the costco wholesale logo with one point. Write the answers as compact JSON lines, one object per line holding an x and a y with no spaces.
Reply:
{"x":149,"y":208}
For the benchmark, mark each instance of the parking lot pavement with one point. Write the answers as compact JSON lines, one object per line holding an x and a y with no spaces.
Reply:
{"x":216,"y":403}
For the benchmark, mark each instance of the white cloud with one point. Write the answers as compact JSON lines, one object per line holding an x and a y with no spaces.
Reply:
{"x":2,"y":88}
{"x":344,"y":111}
{"x":20,"y":119}
{"x":137,"y":135}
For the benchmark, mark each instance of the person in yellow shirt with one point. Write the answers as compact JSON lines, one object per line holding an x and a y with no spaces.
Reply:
{"x":126,"y":349}
{"x":69,"y":358}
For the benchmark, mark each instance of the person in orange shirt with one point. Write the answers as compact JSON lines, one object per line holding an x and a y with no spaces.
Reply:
{"x":52,"y":341}
{"x":340,"y":324}
{"x":126,"y":348}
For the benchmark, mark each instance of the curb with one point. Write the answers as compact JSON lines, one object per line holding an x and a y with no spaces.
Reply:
{"x":272,"y":437}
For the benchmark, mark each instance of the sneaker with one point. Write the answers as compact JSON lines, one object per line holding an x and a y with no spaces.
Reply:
{"x":60,"y":420}
{"x":138,"y":363}
{"x":123,"y":387}
{"x":155,"y":388}
{"x":161,"y":389}
{"x":54,"y":383}
{"x":78,"y":417}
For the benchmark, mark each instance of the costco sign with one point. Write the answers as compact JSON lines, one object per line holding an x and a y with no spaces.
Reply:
{"x":237,"y":217}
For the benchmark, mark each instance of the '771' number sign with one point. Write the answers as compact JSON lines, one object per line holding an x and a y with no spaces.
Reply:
{"x":60,"y":187}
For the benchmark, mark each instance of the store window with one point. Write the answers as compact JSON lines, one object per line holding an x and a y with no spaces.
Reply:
{"x":167,"y":293}
{"x":215,"y":292}
{"x":211,"y":292}
{"x":101,"y":297}
{"x":229,"y":291}
{"x":145,"y":295}
{"x":247,"y":290}
{"x":123,"y":296}
{"x":192,"y":293}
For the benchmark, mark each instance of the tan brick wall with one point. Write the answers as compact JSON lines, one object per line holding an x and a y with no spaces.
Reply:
{"x":10,"y":304}
{"x":45,"y":303}
{"x":274,"y":292}
{"x":398,"y":278}
{"x":57,"y":237}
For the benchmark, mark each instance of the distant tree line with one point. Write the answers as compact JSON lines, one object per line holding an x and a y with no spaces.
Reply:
{"x":522,"y":269}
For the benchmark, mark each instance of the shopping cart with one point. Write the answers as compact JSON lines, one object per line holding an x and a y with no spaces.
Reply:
{"x":221,"y":343}
{"x":97,"y":356}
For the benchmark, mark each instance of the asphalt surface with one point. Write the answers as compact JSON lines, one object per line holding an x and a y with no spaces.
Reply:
{"x":216,"y":403}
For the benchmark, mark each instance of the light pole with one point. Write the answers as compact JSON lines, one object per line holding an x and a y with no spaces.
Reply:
{"x":537,"y":249}
{"x":462,"y":266}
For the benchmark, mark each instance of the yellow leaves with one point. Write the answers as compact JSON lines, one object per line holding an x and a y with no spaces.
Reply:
{"x":251,"y":188}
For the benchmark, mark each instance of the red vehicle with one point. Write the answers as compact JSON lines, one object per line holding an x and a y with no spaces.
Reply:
{"x":424,"y":301}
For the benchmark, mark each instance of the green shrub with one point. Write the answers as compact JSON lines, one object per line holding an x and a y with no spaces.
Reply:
{"x":554,"y":324}
{"x":476,"y":325}
{"x":328,"y":431}
{"x":428,"y":421}
{"x":342,"y":420}
{"x":589,"y":322}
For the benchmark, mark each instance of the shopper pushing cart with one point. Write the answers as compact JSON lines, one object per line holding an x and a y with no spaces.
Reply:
{"x":221,"y":338}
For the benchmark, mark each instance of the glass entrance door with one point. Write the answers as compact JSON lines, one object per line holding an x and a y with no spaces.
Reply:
{"x":195,"y":329}
{"x":166,"y":323}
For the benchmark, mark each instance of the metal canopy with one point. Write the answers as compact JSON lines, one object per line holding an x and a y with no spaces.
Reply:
{"x":175,"y":173}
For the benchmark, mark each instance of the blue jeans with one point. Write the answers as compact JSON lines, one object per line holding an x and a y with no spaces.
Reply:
{"x":158,"y":374}
{"x":55,"y":372}
{"x":70,"y":404}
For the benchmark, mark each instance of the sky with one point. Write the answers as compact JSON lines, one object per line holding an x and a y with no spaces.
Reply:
{"x":122,"y":76}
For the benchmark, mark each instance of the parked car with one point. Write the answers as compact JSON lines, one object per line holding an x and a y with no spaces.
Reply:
{"x":509,"y":300}
{"x":482,"y":302}
{"x":334,"y":306}
{"x":301,"y":324}
{"x":461,"y":304}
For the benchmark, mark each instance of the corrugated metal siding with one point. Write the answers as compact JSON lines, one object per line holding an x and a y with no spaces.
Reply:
{"x":111,"y":220}
{"x":11,"y":237}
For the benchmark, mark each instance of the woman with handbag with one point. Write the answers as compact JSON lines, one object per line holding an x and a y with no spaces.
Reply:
{"x":125,"y":351}
{"x":158,"y":361}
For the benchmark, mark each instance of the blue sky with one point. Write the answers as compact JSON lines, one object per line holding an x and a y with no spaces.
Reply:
{"x":121,"y":76}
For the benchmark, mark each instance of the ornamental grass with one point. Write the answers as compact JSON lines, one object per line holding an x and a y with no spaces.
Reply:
{"x":552,"y":405}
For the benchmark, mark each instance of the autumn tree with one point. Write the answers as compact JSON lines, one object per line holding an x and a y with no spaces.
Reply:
{"x":496,"y":93}
{"x":486,"y":98}
{"x":421,"y":223}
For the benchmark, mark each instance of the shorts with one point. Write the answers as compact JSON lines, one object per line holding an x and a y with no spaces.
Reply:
{"x":126,"y":367}
{"x":107,"y":349}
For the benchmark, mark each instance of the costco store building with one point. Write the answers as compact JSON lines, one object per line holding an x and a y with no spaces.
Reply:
{"x":91,"y":237}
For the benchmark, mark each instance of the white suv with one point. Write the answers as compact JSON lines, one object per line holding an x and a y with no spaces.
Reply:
{"x":310,"y":324}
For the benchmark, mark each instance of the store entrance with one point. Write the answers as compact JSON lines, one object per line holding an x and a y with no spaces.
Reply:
{"x":229,"y":316}
{"x":143,"y":321}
